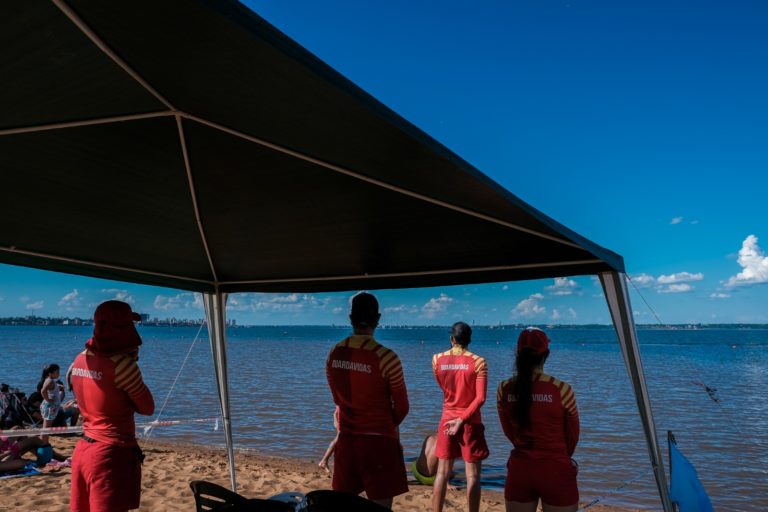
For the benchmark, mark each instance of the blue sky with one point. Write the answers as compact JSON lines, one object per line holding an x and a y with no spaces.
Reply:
{"x":642,"y":126}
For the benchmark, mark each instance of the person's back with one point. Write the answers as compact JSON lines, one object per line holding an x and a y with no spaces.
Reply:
{"x":106,"y":465}
{"x":366,"y":379}
{"x":367,"y":384}
{"x":115,"y":391}
{"x":554,"y":427}
{"x":538,"y":415}
{"x":463,"y":378}
{"x":457,"y":371}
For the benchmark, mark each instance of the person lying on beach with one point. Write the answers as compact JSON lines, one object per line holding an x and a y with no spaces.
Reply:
{"x":331,"y":447}
{"x":12,"y":451}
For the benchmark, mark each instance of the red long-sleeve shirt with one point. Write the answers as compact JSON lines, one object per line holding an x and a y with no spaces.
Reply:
{"x":368,"y":386}
{"x":463,"y":377}
{"x":109,"y":390}
{"x":554,"y":418}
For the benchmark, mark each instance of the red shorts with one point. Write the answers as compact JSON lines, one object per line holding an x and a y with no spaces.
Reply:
{"x":468,"y":443}
{"x":554,"y":481}
{"x":369,"y":463}
{"x":105,"y":478}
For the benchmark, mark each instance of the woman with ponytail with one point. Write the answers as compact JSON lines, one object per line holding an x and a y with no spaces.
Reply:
{"x":539,"y":416}
{"x":49,"y":388}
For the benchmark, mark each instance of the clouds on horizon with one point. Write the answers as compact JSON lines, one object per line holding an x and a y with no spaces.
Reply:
{"x":678,"y":282}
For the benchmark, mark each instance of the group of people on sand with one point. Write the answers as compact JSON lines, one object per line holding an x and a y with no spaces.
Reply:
{"x":537,"y":412}
{"x":45,"y":408}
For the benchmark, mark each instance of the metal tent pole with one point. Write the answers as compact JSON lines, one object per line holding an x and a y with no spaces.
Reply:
{"x":215,"y":305}
{"x":617,"y":296}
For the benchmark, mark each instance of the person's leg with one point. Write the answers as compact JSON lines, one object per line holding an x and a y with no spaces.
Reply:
{"x":386,"y":502}
{"x":444,"y":467}
{"x":12,"y":465}
{"x":553,"y":508}
{"x":516,"y":506}
{"x":473,"y":485}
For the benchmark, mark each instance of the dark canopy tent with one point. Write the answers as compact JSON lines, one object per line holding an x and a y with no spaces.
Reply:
{"x":190,"y":144}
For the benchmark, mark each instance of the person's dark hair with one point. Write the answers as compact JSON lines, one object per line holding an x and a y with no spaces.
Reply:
{"x":462,"y":333}
{"x":365,"y":311}
{"x":526,"y":360}
{"x":3,"y":388}
{"x":47,"y":370}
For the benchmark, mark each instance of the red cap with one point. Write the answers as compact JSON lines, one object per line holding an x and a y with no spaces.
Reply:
{"x":113,"y":329}
{"x":533,"y":338}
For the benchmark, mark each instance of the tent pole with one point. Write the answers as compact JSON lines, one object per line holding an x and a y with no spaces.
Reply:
{"x":215,"y":313}
{"x":617,"y":296}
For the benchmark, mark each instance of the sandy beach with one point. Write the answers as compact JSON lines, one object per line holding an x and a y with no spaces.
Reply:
{"x":169,"y":468}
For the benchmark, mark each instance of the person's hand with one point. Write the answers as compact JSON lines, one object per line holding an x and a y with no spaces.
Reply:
{"x":324,"y":465}
{"x":452,"y":426}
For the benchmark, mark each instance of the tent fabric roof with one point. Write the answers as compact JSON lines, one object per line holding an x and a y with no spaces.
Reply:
{"x":192,"y":145}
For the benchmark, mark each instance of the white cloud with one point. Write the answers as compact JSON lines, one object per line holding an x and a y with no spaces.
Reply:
{"x":436,"y":305}
{"x":694,"y":222}
{"x":402,"y":308}
{"x":185,"y":300}
{"x":680,"y":277}
{"x":119,"y":294}
{"x":676,"y":220}
{"x":24,"y":298}
{"x":643,"y":280}
{"x":563,"y":286}
{"x":572,"y":312}
{"x":71,"y":301}
{"x":35,"y":305}
{"x":676,"y":288}
{"x":505,"y":287}
{"x":338,"y":310}
{"x":754,"y":264}
{"x":555,"y":315}
{"x":269,"y":303}
{"x":529,"y":307}
{"x":719,"y":295}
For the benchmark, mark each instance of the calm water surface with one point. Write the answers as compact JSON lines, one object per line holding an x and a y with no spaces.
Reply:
{"x":282,"y":406}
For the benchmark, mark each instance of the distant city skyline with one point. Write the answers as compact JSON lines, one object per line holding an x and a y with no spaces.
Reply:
{"x":639,"y":126}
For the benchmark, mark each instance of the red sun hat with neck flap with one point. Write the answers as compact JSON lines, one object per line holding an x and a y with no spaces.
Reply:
{"x":113,"y":329}
{"x":533,"y":338}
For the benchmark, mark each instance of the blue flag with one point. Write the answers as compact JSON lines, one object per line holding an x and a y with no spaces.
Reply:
{"x":685,"y":487}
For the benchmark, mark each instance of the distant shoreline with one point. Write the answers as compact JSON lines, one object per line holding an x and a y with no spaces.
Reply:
{"x":33,"y":321}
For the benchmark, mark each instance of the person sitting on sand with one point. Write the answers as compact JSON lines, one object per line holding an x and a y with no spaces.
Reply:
{"x":108,"y":386}
{"x":368,"y":386}
{"x":463,"y":378}
{"x":424,"y":468}
{"x":332,"y":446}
{"x":539,"y":416}
{"x":12,"y":449}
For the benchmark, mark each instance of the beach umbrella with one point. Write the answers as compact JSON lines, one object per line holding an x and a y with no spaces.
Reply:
{"x":190,"y":144}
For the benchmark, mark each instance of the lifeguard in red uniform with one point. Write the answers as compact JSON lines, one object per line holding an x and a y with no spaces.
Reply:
{"x":367,"y":383}
{"x":538,"y":414}
{"x":463,"y":377}
{"x":106,"y":464}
